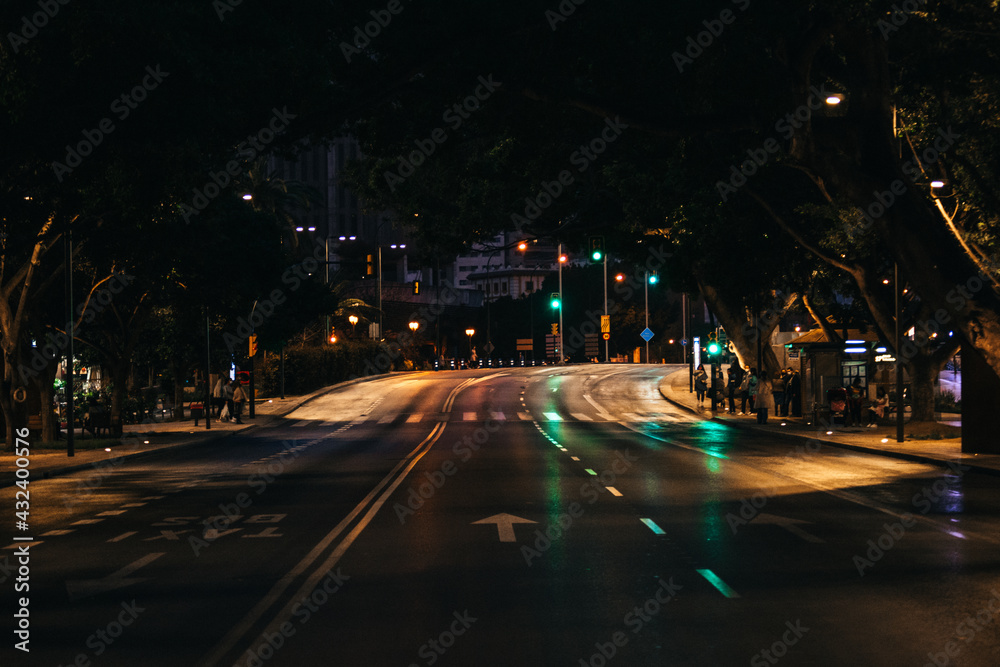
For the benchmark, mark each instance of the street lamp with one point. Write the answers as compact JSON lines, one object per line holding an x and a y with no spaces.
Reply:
{"x":470,"y":333}
{"x":413,"y":326}
{"x":353,"y":319}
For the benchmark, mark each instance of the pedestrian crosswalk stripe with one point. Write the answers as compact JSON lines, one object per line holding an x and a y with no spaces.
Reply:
{"x":498,"y":416}
{"x":414,"y":418}
{"x":552,"y":416}
{"x":524,"y":416}
{"x":387,"y":419}
{"x":469,"y":416}
{"x":579,"y":416}
{"x":300,"y":424}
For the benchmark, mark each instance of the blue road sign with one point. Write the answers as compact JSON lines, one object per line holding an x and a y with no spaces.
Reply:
{"x":647,"y":334}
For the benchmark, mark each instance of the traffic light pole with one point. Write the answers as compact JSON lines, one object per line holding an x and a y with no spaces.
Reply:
{"x":645,"y":287}
{"x":607,"y":355}
{"x":561,"y":300}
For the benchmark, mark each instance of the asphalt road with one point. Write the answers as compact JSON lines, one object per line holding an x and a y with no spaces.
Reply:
{"x":549,"y":516}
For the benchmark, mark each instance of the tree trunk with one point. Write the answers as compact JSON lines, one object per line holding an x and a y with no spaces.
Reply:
{"x":119,"y":377}
{"x":50,"y":422}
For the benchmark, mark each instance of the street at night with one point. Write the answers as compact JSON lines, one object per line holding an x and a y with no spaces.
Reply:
{"x":523,"y":516}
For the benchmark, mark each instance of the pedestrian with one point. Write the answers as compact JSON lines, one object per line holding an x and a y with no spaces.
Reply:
{"x":744,"y":390}
{"x":778,"y":388}
{"x":752,"y":389}
{"x":764,"y":400}
{"x":239,"y":398}
{"x":228,"y":389}
{"x":793,"y":390}
{"x":219,"y":395}
{"x":732,"y":386}
{"x":855,"y":397}
{"x":700,"y":383}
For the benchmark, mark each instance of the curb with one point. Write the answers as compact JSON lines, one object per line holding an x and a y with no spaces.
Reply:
{"x":914,"y":458}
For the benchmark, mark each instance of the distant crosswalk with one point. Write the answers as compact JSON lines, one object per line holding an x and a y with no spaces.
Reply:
{"x":496,"y":415}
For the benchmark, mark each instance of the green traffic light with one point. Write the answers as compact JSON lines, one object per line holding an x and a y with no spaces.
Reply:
{"x":555,"y":303}
{"x":653,"y":279}
{"x":713,"y":348}
{"x":596,"y":255}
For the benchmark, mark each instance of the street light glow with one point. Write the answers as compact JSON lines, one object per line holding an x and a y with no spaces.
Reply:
{"x":414,"y":326}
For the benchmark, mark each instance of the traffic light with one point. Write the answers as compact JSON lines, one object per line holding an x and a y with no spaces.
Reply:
{"x":654,"y":278}
{"x":370,"y":266}
{"x":416,"y":287}
{"x":713,"y":344}
{"x":555,"y":301}
{"x":555,"y":328}
{"x":597,"y":248}
{"x":253,"y":344}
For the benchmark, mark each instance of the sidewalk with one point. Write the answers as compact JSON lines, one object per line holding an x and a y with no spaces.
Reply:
{"x":881,"y":440}
{"x":143,"y":439}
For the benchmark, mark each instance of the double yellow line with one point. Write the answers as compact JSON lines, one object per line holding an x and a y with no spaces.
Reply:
{"x":372,"y":503}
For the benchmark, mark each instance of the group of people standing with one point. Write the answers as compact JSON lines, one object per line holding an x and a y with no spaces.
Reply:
{"x":758,"y":394}
{"x":228,"y":398}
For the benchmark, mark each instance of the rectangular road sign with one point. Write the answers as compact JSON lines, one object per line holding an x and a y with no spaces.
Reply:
{"x":605,"y":324}
{"x":525,"y":345}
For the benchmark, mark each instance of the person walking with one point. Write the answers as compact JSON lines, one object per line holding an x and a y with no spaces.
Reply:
{"x":764,"y":400}
{"x":700,"y":384}
{"x":239,"y":398}
{"x":228,"y":390}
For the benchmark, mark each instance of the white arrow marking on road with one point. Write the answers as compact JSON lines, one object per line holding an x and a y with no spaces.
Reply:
{"x":505,"y":524}
{"x":789,"y":525}
{"x":87,"y":587}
